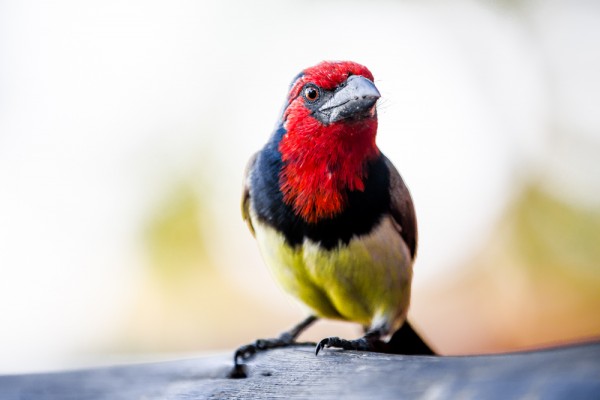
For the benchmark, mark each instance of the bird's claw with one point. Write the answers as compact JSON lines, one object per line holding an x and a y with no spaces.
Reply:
{"x":239,"y":371}
{"x":324,"y":343}
{"x":362,"y":344}
{"x":248,"y":351}
{"x":244,"y":353}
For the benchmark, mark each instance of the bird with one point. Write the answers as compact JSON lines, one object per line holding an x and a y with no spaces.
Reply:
{"x":333,"y":218}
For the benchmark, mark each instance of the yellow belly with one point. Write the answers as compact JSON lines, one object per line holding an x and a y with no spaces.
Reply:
{"x":366,"y":281}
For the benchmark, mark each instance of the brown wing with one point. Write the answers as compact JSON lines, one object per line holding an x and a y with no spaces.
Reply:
{"x":246,"y":192}
{"x":402,"y":209}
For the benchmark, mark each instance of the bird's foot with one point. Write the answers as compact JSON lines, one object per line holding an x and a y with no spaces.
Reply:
{"x":366,"y":343}
{"x":246,"y":352}
{"x":286,"y":339}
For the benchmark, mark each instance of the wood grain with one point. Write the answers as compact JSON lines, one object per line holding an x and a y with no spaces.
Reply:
{"x":571,"y":372}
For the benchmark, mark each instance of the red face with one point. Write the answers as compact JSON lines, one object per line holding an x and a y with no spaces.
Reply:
{"x":331,"y":125}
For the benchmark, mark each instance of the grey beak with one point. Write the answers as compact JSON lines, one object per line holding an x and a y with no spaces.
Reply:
{"x":355,"y":99}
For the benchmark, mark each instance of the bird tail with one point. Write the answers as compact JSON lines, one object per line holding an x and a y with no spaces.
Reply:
{"x":406,"y":341}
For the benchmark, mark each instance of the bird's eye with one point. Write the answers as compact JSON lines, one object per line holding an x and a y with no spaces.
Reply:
{"x":311,"y":93}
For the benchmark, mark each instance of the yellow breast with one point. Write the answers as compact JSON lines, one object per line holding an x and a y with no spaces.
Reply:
{"x":366,"y":281}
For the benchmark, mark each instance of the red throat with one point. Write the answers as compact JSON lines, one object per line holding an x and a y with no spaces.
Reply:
{"x":321,"y":163}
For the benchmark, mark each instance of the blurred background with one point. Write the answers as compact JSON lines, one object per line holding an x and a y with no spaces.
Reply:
{"x":125,"y":128}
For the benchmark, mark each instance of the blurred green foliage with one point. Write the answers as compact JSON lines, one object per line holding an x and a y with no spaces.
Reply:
{"x":552,"y":235}
{"x":174,"y":236}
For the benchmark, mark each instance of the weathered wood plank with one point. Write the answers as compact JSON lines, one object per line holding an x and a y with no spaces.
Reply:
{"x":560,"y":373}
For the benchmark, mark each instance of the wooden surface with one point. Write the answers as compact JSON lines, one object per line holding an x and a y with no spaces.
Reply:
{"x":561,"y":373}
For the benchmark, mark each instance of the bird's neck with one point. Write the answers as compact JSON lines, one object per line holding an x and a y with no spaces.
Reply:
{"x":321,"y":164}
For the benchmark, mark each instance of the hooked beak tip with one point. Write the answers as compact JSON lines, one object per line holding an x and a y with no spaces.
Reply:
{"x":355,"y":99}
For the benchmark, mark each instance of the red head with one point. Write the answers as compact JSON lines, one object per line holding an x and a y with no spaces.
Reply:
{"x":331,"y":123}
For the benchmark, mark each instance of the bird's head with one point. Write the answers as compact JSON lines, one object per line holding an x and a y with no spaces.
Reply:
{"x":334,"y":94}
{"x":330,"y":123}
